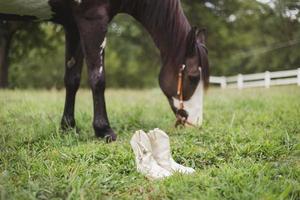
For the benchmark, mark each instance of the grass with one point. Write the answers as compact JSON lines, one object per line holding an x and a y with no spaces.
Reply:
{"x":248,"y":147}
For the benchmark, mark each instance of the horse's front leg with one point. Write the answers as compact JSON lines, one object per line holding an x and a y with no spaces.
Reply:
{"x":73,"y":63}
{"x":92,"y":32}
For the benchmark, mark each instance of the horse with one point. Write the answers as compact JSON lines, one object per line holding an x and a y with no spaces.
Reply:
{"x":184,"y":74}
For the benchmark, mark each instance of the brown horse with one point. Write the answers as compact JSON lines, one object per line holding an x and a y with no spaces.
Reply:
{"x":185,"y":69}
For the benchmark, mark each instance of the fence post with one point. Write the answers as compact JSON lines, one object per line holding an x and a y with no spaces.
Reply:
{"x":298,"y":77}
{"x":223,"y":82}
{"x":240,"y":82}
{"x":267,"y":79}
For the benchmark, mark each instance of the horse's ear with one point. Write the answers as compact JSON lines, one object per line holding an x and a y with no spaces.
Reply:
{"x":191,"y":42}
{"x":201,"y":35}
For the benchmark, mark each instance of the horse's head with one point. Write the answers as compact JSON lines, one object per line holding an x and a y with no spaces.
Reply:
{"x":185,"y":86}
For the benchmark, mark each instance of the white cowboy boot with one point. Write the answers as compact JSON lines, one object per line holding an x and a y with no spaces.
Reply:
{"x":162,"y":153}
{"x":144,"y":159}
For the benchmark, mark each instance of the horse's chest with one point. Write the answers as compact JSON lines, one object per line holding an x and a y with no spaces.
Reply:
{"x":37,"y":8}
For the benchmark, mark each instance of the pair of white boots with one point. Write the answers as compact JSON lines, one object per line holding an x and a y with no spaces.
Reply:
{"x":153,"y":155}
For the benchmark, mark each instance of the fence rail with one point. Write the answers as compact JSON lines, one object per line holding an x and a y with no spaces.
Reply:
{"x":266,"y":79}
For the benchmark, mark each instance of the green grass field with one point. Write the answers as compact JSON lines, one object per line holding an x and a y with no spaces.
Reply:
{"x":247,"y":148}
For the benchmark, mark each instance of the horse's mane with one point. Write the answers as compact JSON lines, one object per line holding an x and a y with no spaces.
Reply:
{"x":165,"y":21}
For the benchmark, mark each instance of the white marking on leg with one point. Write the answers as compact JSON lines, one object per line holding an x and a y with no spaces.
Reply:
{"x":101,"y":70}
{"x":78,"y":1}
{"x":102,"y":47}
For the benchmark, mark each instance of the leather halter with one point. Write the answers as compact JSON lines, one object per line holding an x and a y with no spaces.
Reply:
{"x":180,"y":87}
{"x":181,"y":114}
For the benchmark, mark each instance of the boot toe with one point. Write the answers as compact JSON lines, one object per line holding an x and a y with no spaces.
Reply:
{"x":182,"y":169}
{"x":188,"y":170}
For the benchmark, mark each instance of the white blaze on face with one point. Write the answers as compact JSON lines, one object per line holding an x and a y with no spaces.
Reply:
{"x":38,"y":8}
{"x":194,"y":106}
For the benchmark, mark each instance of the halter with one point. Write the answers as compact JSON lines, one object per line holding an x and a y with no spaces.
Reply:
{"x":180,"y":86}
{"x":181,"y":114}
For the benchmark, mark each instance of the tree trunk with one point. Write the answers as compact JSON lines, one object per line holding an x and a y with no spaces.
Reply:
{"x":4,"y":61}
{"x":7,"y":30}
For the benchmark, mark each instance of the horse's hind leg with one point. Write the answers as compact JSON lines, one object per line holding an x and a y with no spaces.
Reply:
{"x":92,"y":32}
{"x":73,"y":63}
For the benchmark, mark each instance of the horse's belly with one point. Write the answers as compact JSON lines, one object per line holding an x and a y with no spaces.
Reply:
{"x":37,"y":8}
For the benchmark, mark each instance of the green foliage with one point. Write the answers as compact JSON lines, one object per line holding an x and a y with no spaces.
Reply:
{"x":131,"y":57}
{"x":243,"y":37}
{"x":37,"y":56}
{"x":250,"y":151}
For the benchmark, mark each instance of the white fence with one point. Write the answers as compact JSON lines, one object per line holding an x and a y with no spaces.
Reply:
{"x":266,"y":79}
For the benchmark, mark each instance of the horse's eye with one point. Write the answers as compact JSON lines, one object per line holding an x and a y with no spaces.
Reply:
{"x":194,"y":73}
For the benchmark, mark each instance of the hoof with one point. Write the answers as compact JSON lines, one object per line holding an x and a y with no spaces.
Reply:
{"x":110,"y":138}
{"x":67,"y":124}
{"x":108,"y":134}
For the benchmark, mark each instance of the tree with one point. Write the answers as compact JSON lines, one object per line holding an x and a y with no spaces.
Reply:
{"x":7,"y":30}
{"x":26,"y":40}
{"x":242,"y":37}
